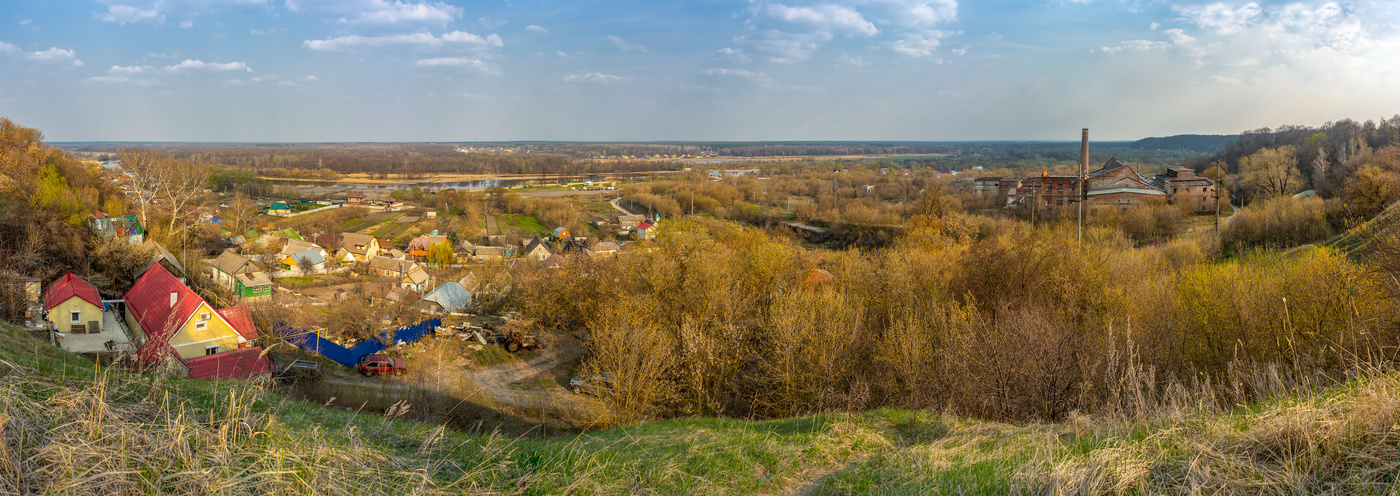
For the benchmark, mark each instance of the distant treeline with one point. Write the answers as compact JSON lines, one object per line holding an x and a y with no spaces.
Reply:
{"x":386,"y":159}
{"x":1197,"y":143}
{"x":1336,"y":143}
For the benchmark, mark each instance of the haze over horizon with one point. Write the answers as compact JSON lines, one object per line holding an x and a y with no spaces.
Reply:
{"x":848,"y":70}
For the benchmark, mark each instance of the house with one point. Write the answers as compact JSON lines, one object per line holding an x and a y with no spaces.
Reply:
{"x":449,"y":297}
{"x":554,"y":261}
{"x":535,"y":250}
{"x":629,"y":221}
{"x":492,"y":253}
{"x":83,"y":322}
{"x":646,"y":230}
{"x":463,"y":253}
{"x":357,"y":198}
{"x":307,"y":262}
{"x":561,"y":234}
{"x":125,"y":228}
{"x":986,"y":186}
{"x":395,"y":253}
{"x":228,"y":266}
{"x":1118,"y":185}
{"x":1183,"y":186}
{"x":418,"y":247}
{"x":362,"y":246}
{"x":174,"y":322}
{"x":277,"y":208}
{"x":163,"y":257}
{"x":409,"y":275}
{"x":295,"y":246}
{"x":288,"y":234}
{"x":605,"y":249}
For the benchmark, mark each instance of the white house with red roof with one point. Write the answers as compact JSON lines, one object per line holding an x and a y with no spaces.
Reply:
{"x":174,"y":322}
{"x":81,"y":321}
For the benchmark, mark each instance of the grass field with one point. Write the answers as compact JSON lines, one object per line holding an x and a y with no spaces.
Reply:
{"x":72,"y":428}
{"x":526,"y":223}
{"x":367,"y":221}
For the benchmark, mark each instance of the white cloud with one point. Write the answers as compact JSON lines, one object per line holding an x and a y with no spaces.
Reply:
{"x":828,"y":16}
{"x":122,"y":80}
{"x":735,"y":54}
{"x":1222,"y":18}
{"x":735,"y":72}
{"x":309,"y":78}
{"x":383,"y":12}
{"x":783,"y":47}
{"x":355,"y":41}
{"x":192,"y":64}
{"x":187,"y":24}
{"x":625,"y":46}
{"x":463,"y":62}
{"x":1135,"y":46}
{"x":1179,"y":37}
{"x":561,"y":54}
{"x":921,"y":44}
{"x":123,"y":14}
{"x":53,"y":54}
{"x":592,"y":77}
{"x":536,"y":29}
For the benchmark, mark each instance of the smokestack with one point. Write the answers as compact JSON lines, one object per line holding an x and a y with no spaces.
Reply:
{"x":1084,"y":154}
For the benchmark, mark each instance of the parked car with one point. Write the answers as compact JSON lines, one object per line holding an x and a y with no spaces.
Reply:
{"x":595,"y":385}
{"x":381,"y":365}
{"x":297,"y":371}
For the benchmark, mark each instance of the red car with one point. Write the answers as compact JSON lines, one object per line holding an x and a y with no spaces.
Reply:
{"x":381,"y":365}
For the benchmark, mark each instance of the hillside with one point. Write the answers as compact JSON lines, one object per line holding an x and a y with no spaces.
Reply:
{"x":1199,"y":143}
{"x":70,"y":428}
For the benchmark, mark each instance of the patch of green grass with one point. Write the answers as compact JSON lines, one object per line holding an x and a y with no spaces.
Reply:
{"x":529,"y":224}
{"x":535,"y":384}
{"x":491,"y":355}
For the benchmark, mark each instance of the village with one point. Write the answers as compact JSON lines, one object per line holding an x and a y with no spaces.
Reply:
{"x":275,"y":300}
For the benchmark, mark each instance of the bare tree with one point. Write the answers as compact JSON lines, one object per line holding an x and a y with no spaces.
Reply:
{"x":1272,"y":172}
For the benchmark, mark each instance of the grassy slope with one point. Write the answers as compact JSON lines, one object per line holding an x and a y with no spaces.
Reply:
{"x":1354,"y":240}
{"x":69,"y":428}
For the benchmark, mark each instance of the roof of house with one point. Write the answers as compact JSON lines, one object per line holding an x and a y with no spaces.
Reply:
{"x":1140,"y":191}
{"x":349,"y":242}
{"x":627,"y":217}
{"x":298,"y":246}
{"x":396,"y":253}
{"x":535,"y":243}
{"x":232,"y":263}
{"x":606,"y":246}
{"x":237,"y":240}
{"x":254,"y":279}
{"x":278,"y":206}
{"x":554,"y":260}
{"x":312,"y":257}
{"x":240,"y":364}
{"x":419,"y":276}
{"x":67,"y":287}
{"x":288,"y":233}
{"x":160,"y":253}
{"x":241,"y":319}
{"x":425,"y":241}
{"x":560,"y":231}
{"x":643,"y":225}
{"x":357,"y":194}
{"x":392,"y":264}
{"x":451,"y":296}
{"x":149,"y":300}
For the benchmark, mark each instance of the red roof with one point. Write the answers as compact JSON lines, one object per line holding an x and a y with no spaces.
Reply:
{"x":150,"y":301}
{"x":241,"y":320}
{"x":67,"y":287}
{"x":643,"y":225}
{"x":240,"y":364}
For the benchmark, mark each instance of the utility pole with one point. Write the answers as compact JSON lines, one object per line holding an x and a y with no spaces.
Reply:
{"x":1217,"y":165}
{"x":1083,"y":166}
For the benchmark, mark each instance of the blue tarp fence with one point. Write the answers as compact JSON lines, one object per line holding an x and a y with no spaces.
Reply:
{"x":314,"y":343}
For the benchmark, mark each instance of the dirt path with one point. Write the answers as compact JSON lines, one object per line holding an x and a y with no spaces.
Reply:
{"x":495,"y":381}
{"x":619,"y":208}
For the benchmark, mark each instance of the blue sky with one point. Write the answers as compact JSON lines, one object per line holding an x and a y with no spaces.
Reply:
{"x":409,"y":70}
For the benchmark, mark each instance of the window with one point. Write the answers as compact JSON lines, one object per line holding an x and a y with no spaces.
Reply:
{"x":210,"y":350}
{"x":75,"y":317}
{"x":200,"y":326}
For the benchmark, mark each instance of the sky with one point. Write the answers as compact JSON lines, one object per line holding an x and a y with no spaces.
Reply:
{"x":744,"y":70}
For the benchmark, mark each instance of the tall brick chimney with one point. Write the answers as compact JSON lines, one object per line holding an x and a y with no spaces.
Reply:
{"x":1084,"y":154}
